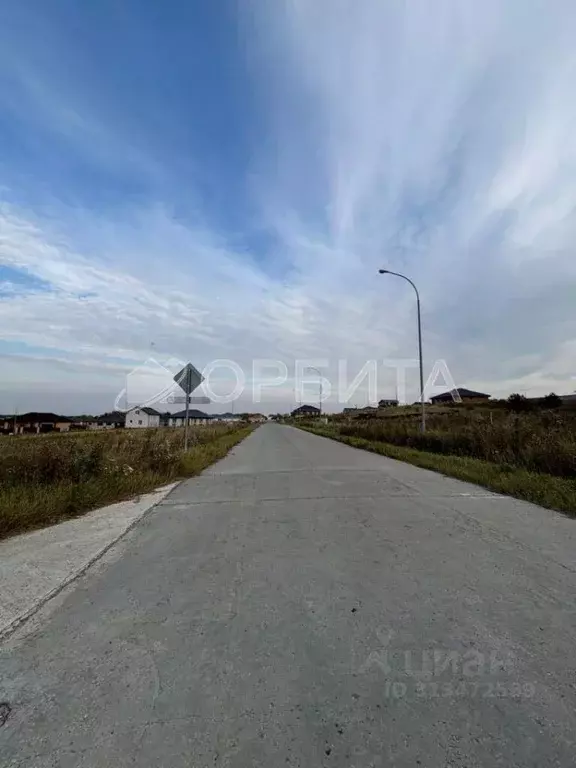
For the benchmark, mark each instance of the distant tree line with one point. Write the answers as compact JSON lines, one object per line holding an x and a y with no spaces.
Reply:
{"x":519,"y":403}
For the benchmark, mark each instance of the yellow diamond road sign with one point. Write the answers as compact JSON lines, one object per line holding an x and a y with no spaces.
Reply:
{"x":189,"y":378}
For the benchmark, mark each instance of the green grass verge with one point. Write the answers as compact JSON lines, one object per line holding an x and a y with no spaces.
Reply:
{"x":27,"y":507}
{"x":553,"y":492}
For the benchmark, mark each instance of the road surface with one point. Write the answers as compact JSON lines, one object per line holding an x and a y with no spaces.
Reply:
{"x":308,"y":604}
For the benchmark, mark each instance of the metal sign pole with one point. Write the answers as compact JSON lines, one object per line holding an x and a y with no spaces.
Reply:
{"x":188,"y":377}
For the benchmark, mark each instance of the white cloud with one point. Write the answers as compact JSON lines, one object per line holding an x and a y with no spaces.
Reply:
{"x":442,"y":140}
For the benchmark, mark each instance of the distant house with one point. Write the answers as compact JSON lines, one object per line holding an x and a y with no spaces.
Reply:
{"x":6,"y":425}
{"x":463,"y":393}
{"x":194,"y":417}
{"x":387,"y":403}
{"x":226,"y":417}
{"x":140,"y":418}
{"x":34,"y":423}
{"x":82,"y":423}
{"x":305,"y":411}
{"x":113,"y":420}
{"x":257,"y":418}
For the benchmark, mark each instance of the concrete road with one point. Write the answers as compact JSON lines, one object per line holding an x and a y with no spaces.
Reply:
{"x":308,"y":604}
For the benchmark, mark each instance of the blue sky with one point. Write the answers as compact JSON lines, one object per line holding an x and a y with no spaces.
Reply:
{"x":223,"y":180}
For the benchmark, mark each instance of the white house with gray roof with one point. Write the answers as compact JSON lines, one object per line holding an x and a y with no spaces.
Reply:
{"x":141,"y":418}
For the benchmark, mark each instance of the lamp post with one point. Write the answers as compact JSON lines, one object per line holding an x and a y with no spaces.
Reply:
{"x":311,"y":367}
{"x":397,"y":274}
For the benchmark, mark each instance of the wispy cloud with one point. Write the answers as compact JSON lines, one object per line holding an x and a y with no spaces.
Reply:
{"x":439,"y":139}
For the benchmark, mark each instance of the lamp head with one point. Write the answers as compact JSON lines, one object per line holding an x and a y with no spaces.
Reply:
{"x":383,"y":271}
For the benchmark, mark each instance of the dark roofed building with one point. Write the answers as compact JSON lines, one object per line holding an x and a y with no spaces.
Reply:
{"x":83,"y":423}
{"x":305,"y":411}
{"x":194,"y":417}
{"x":35,"y":423}
{"x":457,"y":395}
{"x":113,"y":420}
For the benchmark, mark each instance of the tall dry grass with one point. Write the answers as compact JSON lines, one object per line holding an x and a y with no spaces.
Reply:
{"x":47,"y":478}
{"x":538,"y":442}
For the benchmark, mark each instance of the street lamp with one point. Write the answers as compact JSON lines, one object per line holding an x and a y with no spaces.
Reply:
{"x":311,"y":367}
{"x":389,"y":272}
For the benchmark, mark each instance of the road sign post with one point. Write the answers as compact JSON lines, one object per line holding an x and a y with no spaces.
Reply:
{"x":188,"y":379}
{"x":186,"y":420}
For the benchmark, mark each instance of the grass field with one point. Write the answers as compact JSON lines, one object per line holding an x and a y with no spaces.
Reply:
{"x":531,"y":456}
{"x":49,"y":478}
